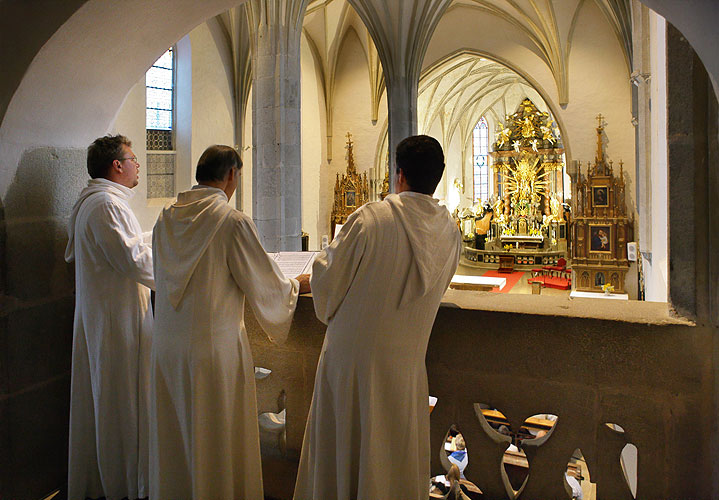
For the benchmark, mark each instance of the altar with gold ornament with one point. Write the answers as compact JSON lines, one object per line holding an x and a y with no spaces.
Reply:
{"x":351,"y":191}
{"x":602,"y":226}
{"x":526,"y":222}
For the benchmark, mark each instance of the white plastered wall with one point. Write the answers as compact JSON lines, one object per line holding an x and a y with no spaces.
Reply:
{"x":352,"y":113}
{"x":203,"y":116}
{"x":656,"y":271}
{"x":598,"y":75}
{"x":312,"y":146}
{"x":211,"y":94}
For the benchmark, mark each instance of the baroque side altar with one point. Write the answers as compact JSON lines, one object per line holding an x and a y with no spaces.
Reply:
{"x":351,"y":190}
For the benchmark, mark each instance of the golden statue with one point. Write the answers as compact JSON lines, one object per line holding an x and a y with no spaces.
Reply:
{"x":547,"y":134}
{"x":503,"y":136}
{"x":556,"y":213}
{"x":527,"y":128}
{"x":385,"y":185}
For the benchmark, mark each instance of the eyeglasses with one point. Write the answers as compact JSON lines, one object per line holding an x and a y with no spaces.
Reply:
{"x":132,"y":158}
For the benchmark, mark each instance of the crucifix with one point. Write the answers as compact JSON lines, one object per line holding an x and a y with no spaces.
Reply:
{"x":599,"y":157}
{"x":600,"y":120}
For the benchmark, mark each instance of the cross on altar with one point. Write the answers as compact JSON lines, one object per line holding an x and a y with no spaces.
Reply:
{"x":349,"y":140}
{"x":600,"y":118}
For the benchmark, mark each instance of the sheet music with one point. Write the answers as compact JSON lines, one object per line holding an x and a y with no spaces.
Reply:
{"x":293,"y":264}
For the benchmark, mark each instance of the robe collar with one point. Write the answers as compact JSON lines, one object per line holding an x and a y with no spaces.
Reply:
{"x":103,"y":184}
{"x":94,"y":186}
{"x":200,"y":191}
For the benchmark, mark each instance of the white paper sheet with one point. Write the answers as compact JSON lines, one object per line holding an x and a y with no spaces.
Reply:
{"x":293,"y":264}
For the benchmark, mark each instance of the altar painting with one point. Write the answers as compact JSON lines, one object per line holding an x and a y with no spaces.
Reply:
{"x":600,"y":238}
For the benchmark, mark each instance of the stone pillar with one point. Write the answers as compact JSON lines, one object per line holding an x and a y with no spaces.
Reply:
{"x":691,"y":137}
{"x":401,"y":31}
{"x":276,"y":26}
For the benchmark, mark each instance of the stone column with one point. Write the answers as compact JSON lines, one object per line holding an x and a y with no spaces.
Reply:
{"x":276,"y":26}
{"x":401,"y":31}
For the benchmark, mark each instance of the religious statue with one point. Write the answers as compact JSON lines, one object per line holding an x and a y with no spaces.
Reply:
{"x":503,"y":136}
{"x":547,"y":134}
{"x":527,"y":128}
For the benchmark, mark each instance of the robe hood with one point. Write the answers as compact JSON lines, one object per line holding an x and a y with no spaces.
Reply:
{"x":94,"y":186}
{"x":182,"y":234}
{"x":431,"y":232}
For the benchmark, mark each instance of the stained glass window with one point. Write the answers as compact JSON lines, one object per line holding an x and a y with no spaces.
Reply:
{"x":159,"y":82}
{"x":480,"y":151}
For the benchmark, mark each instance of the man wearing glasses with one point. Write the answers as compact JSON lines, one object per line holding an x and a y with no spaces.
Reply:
{"x":113,"y":324}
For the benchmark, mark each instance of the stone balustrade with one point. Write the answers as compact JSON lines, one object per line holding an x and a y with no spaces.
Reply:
{"x":649,"y":374}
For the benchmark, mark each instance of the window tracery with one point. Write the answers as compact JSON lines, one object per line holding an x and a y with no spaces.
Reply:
{"x":480,"y":153}
{"x":159,"y":123}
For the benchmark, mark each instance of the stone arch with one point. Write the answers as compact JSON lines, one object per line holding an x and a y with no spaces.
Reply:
{"x":66,"y":91}
{"x":91,"y":72}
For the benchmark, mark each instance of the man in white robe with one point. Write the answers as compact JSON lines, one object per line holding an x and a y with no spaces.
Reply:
{"x":204,"y":440}
{"x":378,"y":287}
{"x":111,"y":338}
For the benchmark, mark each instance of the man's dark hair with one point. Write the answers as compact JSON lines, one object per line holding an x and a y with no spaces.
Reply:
{"x":421,"y":159}
{"x":102,"y":152}
{"x":215,"y":162}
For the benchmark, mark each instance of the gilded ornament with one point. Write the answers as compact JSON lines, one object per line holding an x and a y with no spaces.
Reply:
{"x":351,"y":190}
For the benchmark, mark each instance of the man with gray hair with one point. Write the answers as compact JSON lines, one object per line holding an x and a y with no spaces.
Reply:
{"x":111,"y":337}
{"x":204,"y":438}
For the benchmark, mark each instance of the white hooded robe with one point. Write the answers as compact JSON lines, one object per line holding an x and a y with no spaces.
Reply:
{"x":378,"y":287}
{"x":111,"y":346}
{"x":204,"y":437}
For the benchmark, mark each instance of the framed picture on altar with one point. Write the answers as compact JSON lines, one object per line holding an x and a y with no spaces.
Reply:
{"x":350,"y":199}
{"x":600,"y":196}
{"x":600,"y":238}
{"x":599,"y":279}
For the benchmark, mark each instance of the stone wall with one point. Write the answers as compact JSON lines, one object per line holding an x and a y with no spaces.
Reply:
{"x":36,"y":315}
{"x":650,"y":377}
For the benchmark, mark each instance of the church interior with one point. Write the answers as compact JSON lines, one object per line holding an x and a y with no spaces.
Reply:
{"x":582,"y":159}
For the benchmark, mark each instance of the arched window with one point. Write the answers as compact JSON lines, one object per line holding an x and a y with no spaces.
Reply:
{"x":160,"y":121}
{"x":480,"y":150}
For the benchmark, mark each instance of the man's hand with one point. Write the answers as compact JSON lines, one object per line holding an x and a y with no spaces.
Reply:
{"x":304,"y":280}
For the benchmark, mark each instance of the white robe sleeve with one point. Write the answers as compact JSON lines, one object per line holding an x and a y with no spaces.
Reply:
{"x":335,"y":267}
{"x":123,"y":247}
{"x":273,"y":296}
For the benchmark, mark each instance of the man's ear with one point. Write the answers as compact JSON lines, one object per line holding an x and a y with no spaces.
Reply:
{"x":231,"y":174}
